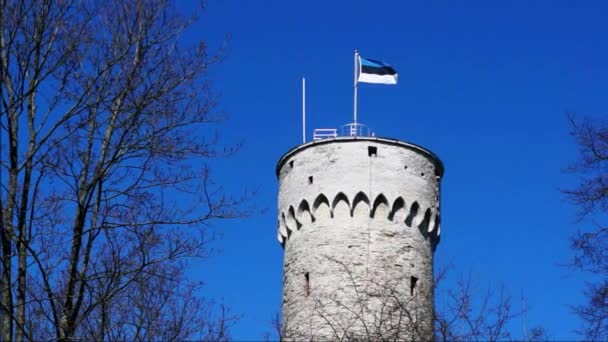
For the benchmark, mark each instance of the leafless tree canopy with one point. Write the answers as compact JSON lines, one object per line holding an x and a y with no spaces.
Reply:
{"x":381,"y":311}
{"x":590,"y":245}
{"x":104,"y":119}
{"x":470,"y":312}
{"x":371,"y":307}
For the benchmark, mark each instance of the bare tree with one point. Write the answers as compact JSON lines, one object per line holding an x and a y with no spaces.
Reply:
{"x":275,"y":334}
{"x":371,"y":307}
{"x":104,"y":133}
{"x":471,"y":313}
{"x":381,"y":311}
{"x":162,"y":306}
{"x":590,"y":245}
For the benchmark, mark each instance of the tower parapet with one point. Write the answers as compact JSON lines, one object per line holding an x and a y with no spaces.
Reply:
{"x":359,"y":219}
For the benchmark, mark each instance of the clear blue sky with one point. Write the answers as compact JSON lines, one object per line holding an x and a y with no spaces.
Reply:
{"x":483,"y":84}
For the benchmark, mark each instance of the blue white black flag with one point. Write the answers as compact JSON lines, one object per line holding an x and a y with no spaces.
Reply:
{"x":372,"y":71}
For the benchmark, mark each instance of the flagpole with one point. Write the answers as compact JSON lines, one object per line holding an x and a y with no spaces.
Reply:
{"x":355,"y":90}
{"x":303,"y":110}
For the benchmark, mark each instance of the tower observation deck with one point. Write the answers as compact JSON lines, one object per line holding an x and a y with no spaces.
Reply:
{"x":348,"y":130}
{"x":359,"y":220}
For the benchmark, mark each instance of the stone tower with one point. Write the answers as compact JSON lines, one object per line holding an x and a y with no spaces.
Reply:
{"x":359,"y":222}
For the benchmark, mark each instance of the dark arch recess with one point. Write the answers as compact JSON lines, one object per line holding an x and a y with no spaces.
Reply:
{"x":320,"y":200}
{"x":287,"y":228}
{"x":292,"y":214}
{"x":424,"y":225}
{"x":397,"y":205}
{"x":304,"y":207}
{"x":413,"y":212}
{"x":339,"y":197}
{"x":379,"y":200}
{"x":360,"y":197}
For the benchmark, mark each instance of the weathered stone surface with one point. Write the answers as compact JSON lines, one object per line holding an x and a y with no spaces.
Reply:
{"x":359,"y":221}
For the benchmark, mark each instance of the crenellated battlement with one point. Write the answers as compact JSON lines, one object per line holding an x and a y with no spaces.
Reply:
{"x":409,"y":213}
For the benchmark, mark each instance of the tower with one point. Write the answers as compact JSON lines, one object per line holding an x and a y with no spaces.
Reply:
{"x":359,"y":222}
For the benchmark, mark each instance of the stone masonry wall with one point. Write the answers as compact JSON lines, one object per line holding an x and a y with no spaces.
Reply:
{"x":359,"y":221}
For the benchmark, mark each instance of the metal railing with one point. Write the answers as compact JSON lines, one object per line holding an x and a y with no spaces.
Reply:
{"x":356,"y":130}
{"x":324,"y":133}
{"x":348,"y":130}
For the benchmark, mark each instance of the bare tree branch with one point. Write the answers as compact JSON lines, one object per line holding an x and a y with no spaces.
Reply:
{"x":379,"y":310}
{"x":590,"y":196}
{"x":105,"y":136}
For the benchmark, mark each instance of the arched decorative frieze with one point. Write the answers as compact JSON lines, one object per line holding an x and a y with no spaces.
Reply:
{"x":437,"y":233}
{"x":321,"y":208}
{"x":432,"y":223}
{"x":380,"y":208}
{"x":398,"y":212}
{"x":304,"y":215}
{"x":284,"y":229}
{"x":361,"y":205}
{"x":426,"y":219}
{"x":420,"y":216}
{"x":413,"y":213}
{"x":340,"y":205}
{"x":437,"y":224}
{"x":292,"y":221}
{"x":290,"y":224}
{"x":280,"y":236}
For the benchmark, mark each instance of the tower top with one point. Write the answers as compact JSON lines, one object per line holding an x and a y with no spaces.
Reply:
{"x":439,"y":170}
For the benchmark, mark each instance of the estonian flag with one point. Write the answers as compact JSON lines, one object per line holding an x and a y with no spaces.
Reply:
{"x":371,"y":71}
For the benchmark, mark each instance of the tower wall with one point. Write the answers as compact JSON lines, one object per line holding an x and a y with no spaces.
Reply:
{"x":359,"y":221}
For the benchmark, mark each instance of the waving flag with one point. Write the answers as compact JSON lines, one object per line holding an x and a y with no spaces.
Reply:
{"x":372,"y":71}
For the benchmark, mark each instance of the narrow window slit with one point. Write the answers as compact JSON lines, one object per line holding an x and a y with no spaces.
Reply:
{"x":291,"y":164}
{"x":413,"y":282}
{"x":309,"y":179}
{"x":372,"y":151}
{"x":307,"y":284}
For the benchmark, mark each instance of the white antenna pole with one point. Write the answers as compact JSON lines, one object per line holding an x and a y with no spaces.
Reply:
{"x":303,"y":110}
{"x":355,"y":90}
